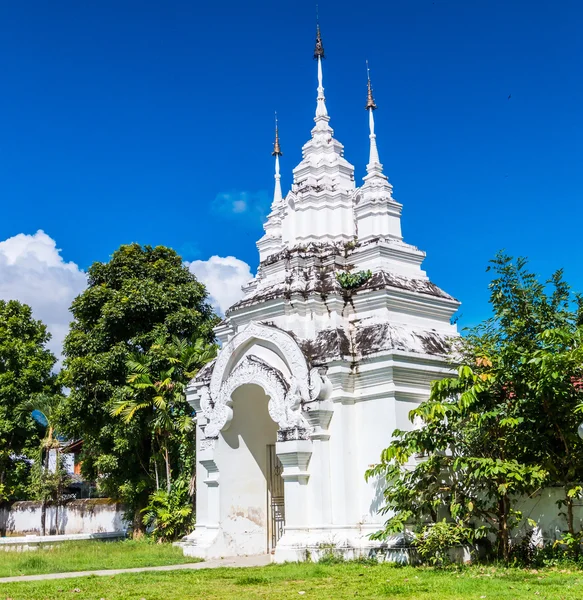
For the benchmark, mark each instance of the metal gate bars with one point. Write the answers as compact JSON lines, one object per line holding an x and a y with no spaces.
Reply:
{"x":275,"y":499}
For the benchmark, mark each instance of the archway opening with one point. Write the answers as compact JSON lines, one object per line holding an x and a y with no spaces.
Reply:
{"x":248,"y":465}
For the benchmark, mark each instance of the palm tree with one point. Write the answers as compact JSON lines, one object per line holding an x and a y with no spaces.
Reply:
{"x":155,"y":385}
{"x":46,"y":406}
{"x":192,"y":354}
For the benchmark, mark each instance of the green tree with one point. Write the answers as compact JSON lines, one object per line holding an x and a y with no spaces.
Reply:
{"x":170,"y":514}
{"x":506,"y":426}
{"x":140,"y":296}
{"x":47,"y":484}
{"x":156,"y":386}
{"x":26,"y":367}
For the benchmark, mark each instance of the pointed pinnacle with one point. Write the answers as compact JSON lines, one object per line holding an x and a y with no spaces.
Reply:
{"x":319,"y":49}
{"x":276,"y":147}
{"x":370,"y":103}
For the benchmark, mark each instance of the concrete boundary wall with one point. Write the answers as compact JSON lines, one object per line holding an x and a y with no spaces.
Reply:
{"x":98,"y":515}
{"x":550,"y":518}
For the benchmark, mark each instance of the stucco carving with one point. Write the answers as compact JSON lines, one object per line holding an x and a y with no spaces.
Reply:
{"x":320,"y":385}
{"x":207,"y":444}
{"x":284,"y":399}
{"x":277,"y":338}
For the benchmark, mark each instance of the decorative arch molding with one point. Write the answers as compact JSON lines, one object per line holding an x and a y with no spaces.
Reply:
{"x":284,"y":399}
{"x":283,"y":343}
{"x":288,"y":394}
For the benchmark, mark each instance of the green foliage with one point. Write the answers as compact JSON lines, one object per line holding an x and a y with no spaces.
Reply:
{"x":351,"y":245}
{"x":25,"y":370}
{"x":170,"y":514}
{"x":133,"y":308}
{"x":505,"y":426}
{"x":47,"y":484}
{"x":434,"y":543}
{"x":156,"y":383}
{"x":351,"y":281}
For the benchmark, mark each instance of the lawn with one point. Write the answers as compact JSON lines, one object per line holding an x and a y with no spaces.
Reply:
{"x":313,"y":581}
{"x":89,"y":555}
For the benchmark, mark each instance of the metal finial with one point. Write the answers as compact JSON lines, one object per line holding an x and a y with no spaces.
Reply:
{"x":319,"y":49}
{"x":370,"y":104}
{"x":276,"y":147}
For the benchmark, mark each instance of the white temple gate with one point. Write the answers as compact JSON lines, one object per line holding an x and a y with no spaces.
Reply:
{"x":337,"y":337}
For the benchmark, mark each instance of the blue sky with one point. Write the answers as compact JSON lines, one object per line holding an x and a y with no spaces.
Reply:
{"x":153,"y":122}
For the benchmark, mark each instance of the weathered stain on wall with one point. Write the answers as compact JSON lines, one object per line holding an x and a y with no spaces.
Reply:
{"x":98,"y":515}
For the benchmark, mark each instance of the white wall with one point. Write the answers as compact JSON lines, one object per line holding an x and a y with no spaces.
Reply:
{"x":543,"y":509}
{"x":242,"y":461}
{"x":97,"y":515}
{"x":67,"y":462}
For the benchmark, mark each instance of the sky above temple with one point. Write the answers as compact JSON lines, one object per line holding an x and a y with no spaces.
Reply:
{"x":152,"y":122}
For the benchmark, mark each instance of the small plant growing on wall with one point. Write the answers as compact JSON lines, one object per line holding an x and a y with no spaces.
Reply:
{"x":351,"y":245}
{"x":351,"y":281}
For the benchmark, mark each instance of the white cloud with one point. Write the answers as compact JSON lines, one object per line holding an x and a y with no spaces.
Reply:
{"x":33,"y":271}
{"x":254,"y":206}
{"x":223,"y":277}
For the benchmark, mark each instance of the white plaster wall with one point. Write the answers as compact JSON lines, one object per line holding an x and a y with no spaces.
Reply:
{"x":241,"y":457}
{"x":67,"y":462}
{"x":79,"y":516}
{"x":543,"y":509}
{"x":378,"y":416}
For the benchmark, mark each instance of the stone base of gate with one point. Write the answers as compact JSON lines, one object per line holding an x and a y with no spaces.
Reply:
{"x":209,"y":543}
{"x":201,"y":542}
{"x":347,"y":543}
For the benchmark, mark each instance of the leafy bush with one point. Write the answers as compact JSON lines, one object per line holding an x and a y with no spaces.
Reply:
{"x":351,"y":281}
{"x":435,"y":542}
{"x":170,"y":515}
{"x":505,"y":427}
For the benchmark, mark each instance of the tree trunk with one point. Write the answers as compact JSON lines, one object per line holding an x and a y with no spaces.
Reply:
{"x":503,"y":533}
{"x":43,"y":516}
{"x":168,"y":476}
{"x":570,"y":517}
{"x":156,"y":473}
{"x":59,"y":494}
{"x":571,"y":524}
{"x":138,"y":527}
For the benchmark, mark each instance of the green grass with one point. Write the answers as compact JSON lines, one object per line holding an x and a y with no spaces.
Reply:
{"x":313,"y":581}
{"x":89,"y":555}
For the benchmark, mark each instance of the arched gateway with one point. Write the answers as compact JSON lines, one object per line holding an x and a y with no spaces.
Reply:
{"x":258,"y":406}
{"x":337,"y":337}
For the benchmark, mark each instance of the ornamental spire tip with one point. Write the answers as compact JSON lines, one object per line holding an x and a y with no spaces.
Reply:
{"x":370,"y":103}
{"x":319,"y":49}
{"x":276,"y":147}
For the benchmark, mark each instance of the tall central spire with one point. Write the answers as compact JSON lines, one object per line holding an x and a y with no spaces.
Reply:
{"x":374,"y":163}
{"x":277,"y":195}
{"x":322,"y":117}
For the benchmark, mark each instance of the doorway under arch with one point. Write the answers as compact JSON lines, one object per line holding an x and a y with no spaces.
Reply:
{"x":250,"y":473}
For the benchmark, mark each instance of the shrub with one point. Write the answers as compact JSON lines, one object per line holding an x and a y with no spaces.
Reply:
{"x":351,"y":281}
{"x":434,"y":543}
{"x":169,"y":515}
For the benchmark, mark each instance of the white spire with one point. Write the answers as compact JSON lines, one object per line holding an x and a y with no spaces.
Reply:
{"x":321,"y":110}
{"x":277,"y":195}
{"x":374,"y":163}
{"x":377,"y":214}
{"x":322,"y":117}
{"x":374,"y":153}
